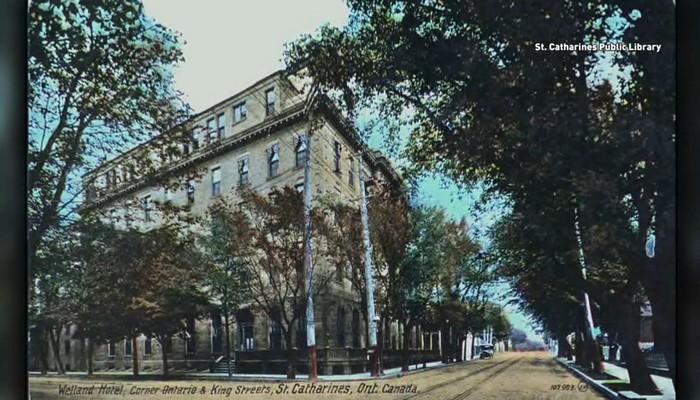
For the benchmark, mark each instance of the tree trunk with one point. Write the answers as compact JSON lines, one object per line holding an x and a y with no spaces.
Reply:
{"x":135,"y":356}
{"x":228,"y":346}
{"x":473,"y":347}
{"x":593,"y":352}
{"x":444,"y":332}
{"x":55,"y":345}
{"x":563,"y":348}
{"x":380,"y":345}
{"x":636,"y":364}
{"x":580,"y":353}
{"x":90,"y":350}
{"x":663,"y":307}
{"x":291,"y":356}
{"x":43,"y":350}
{"x":164,"y":353}
{"x":405,"y":354}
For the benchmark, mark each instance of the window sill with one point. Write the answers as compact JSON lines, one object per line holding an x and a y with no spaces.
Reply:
{"x":240,"y":121}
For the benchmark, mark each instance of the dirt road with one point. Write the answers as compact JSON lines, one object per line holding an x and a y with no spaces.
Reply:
{"x":516,"y":376}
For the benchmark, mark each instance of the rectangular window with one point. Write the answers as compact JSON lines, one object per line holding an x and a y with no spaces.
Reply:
{"x":275,"y":336}
{"x":216,"y":181}
{"x":243,"y":171}
{"x":299,"y":187}
{"x":109,"y":181}
{"x":274,"y":160}
{"x":351,"y":172}
{"x":66,"y":347}
{"x":127,"y":214}
{"x":196,"y":138}
{"x":221,"y":125}
{"x":211,"y":130}
{"x":337,"y":150}
{"x":185,"y":149}
{"x":270,"y":97}
{"x":240,"y":112}
{"x":127,"y":348}
{"x":147,"y":346}
{"x":112,"y":217}
{"x":301,"y":151}
{"x":146,"y":203}
{"x":190,"y":191}
{"x":111,"y":349}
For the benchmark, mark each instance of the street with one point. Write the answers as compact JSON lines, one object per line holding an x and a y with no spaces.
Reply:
{"x":517,"y":376}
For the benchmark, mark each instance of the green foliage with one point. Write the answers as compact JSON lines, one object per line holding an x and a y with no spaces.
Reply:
{"x":544,"y":128}
{"x":99,"y":83}
{"x":133,"y":282}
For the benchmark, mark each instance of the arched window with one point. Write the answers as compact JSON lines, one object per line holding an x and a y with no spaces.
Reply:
{"x":341,"y":327}
{"x":190,"y":336}
{"x":216,"y":334}
{"x":245,"y":321}
{"x":355,"y":328}
{"x":301,"y":332}
{"x":275,"y":330}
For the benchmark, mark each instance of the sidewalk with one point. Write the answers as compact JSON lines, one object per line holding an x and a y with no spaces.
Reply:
{"x":388,"y":373}
{"x":665,"y":385}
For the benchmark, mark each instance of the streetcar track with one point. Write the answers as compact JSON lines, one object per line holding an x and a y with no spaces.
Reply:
{"x":453,"y":380}
{"x":479,"y":384}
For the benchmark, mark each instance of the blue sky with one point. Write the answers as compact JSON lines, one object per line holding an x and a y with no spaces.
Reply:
{"x":229,"y":45}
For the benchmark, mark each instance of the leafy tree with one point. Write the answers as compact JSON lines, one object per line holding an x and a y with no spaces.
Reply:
{"x":132,"y":282}
{"x":99,"y":82}
{"x":225,"y":274}
{"x":540,"y":255}
{"x":421,"y":267}
{"x":345,"y":247}
{"x":268,"y":239}
{"x":486,"y":106}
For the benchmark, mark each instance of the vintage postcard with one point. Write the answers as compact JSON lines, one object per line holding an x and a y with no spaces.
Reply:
{"x":358,"y":199}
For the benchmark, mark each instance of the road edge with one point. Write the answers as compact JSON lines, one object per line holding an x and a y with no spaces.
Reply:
{"x":608,"y":393}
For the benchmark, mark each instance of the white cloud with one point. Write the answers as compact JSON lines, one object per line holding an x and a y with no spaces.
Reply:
{"x":232,"y":44}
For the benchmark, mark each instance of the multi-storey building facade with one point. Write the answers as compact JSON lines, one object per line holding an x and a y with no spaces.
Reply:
{"x":252,"y":139}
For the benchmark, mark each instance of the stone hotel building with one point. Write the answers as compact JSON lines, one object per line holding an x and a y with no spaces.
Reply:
{"x":251,"y":138}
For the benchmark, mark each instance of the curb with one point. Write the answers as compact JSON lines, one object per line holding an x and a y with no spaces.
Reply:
{"x":187,"y":377}
{"x":608,"y":393}
{"x":159,"y":377}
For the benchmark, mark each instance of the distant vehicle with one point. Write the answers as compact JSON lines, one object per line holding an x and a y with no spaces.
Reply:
{"x":486,"y":352}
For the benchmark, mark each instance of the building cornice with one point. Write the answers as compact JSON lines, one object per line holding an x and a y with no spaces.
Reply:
{"x":288,"y":117}
{"x":299,"y":112}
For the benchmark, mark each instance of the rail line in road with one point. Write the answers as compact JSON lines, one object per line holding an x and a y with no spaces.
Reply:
{"x":461,"y":377}
{"x":478,"y":385}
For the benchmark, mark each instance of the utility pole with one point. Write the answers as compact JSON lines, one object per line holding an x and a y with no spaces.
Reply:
{"x":310,"y":322}
{"x":372,"y":320}
{"x":587,"y":302}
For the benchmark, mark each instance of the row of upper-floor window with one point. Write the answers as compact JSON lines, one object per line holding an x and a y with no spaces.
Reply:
{"x":273,"y":156}
{"x":214,"y":130}
{"x":243,"y":172}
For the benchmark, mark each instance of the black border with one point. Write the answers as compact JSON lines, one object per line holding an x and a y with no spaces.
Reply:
{"x":13,"y":281}
{"x":13,"y":228}
{"x":688,"y":192}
